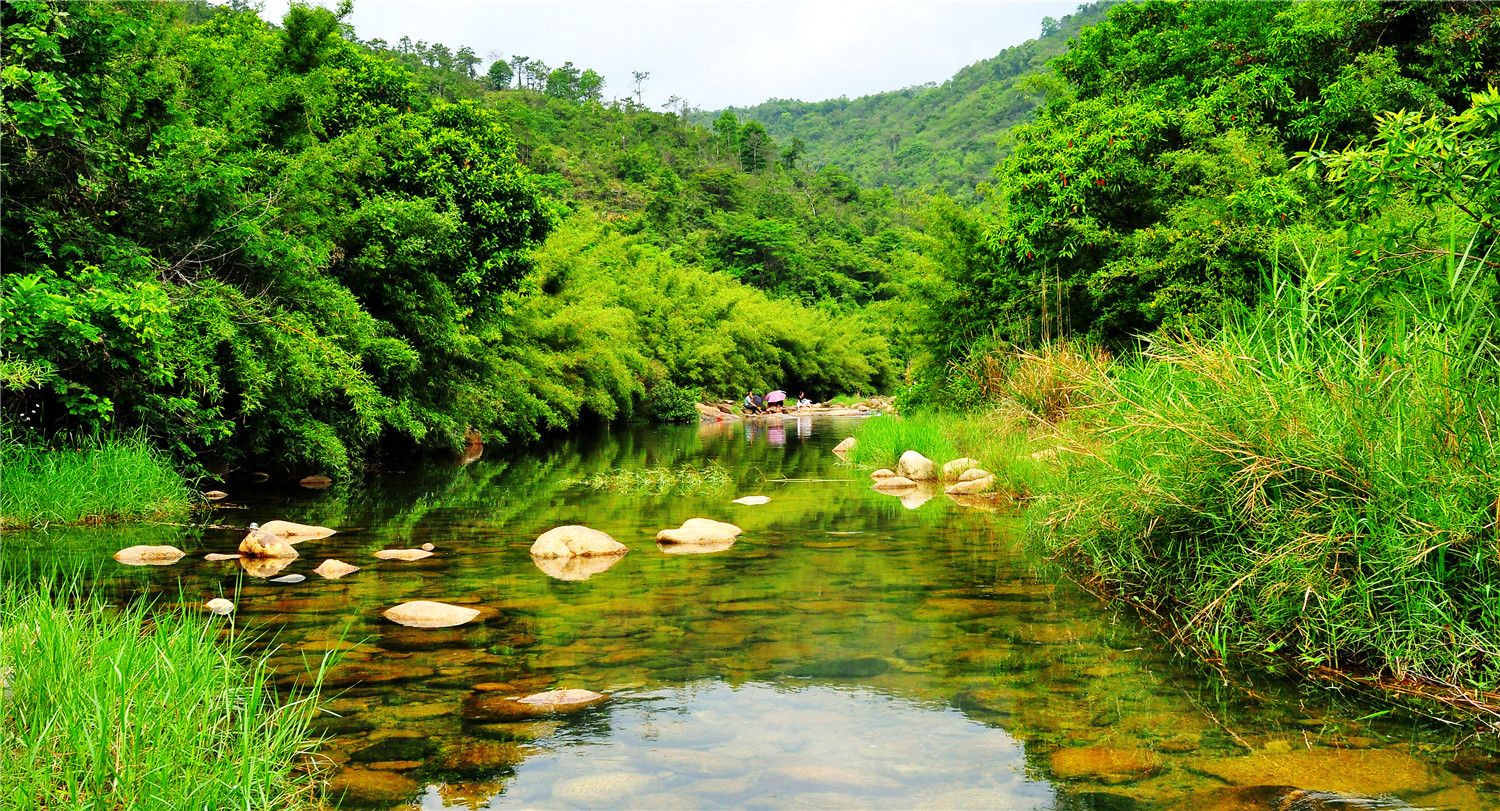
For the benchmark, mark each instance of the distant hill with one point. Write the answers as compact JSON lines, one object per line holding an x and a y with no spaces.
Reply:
{"x":932,"y":136}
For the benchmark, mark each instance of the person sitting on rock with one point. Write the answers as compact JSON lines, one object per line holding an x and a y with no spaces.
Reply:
{"x":752,"y":403}
{"x":802,"y":401}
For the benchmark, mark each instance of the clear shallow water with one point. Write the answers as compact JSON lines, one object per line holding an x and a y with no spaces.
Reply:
{"x":848,"y":651}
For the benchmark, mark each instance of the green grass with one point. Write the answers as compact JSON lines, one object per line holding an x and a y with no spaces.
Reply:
{"x":118,"y":478}
{"x":131,"y":707}
{"x":681,"y":480}
{"x":880,"y":441}
{"x":1319,"y":479}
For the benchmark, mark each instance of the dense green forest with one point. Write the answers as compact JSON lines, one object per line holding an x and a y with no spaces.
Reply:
{"x":279,"y":243}
{"x":945,"y":137}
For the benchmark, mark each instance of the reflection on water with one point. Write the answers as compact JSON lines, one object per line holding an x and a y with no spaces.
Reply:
{"x":851,"y":649}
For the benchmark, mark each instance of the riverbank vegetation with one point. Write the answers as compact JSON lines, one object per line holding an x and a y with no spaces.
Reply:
{"x":132,"y":707}
{"x":120,"y":478}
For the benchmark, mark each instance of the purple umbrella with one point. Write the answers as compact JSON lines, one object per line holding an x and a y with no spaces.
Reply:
{"x":777,"y":396}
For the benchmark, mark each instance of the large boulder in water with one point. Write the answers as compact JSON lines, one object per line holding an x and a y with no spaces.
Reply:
{"x":259,"y":543}
{"x":916,"y":467}
{"x":700,"y":530}
{"x":429,"y":614}
{"x":575,"y":541}
{"x":149,"y":555}
{"x":845,"y":446}
{"x":295,"y":533}
{"x":955,"y":469}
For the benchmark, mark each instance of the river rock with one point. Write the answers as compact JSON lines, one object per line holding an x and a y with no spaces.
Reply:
{"x":882,"y":473}
{"x":355,"y":786}
{"x":477,"y":758}
{"x":970,"y":487}
{"x":894,"y":483}
{"x":149,"y":555}
{"x":916,"y":467}
{"x":429,"y":614}
{"x":296,"y":533}
{"x":954,"y":470}
{"x":491,"y":707}
{"x":218,"y":556}
{"x":1105,"y":764}
{"x":288,"y":579}
{"x":575,"y":541}
{"x":576,"y":568}
{"x":332,"y":569}
{"x":316,"y":481}
{"x":259,"y":543}
{"x":403,"y":554}
{"x":220,"y":606}
{"x":1345,"y":771}
{"x":973,"y":473}
{"x":427,"y":547}
{"x":845,"y":446}
{"x":406,"y":747}
{"x":700,"y":530}
{"x":842,"y":669}
{"x":752,"y":501}
{"x":215,"y":495}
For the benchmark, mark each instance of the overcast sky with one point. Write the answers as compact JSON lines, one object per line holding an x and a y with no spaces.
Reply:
{"x":717,"y":53}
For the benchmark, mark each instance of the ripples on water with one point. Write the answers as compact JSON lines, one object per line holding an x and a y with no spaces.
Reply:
{"x":850,"y":650}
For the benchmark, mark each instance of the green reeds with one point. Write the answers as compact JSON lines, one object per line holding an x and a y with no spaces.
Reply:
{"x":681,"y":480}
{"x":880,"y":441}
{"x":88,"y":480}
{"x":131,"y":707}
{"x":1320,"y":478}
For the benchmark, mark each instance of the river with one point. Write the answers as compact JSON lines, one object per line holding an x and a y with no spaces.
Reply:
{"x":850,"y":650}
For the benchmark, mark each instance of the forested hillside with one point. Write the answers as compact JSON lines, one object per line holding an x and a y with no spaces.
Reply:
{"x":278,"y":243}
{"x":943,"y":137}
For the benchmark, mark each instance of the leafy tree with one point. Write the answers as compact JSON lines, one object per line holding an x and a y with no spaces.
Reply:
{"x":499,"y":75}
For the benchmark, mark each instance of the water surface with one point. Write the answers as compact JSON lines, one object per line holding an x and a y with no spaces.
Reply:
{"x":850,"y":650}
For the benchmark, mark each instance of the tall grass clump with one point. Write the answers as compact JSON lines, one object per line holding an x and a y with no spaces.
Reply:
{"x":1319,"y":479}
{"x":880,"y":441}
{"x":110,"y":707}
{"x":87,"y":480}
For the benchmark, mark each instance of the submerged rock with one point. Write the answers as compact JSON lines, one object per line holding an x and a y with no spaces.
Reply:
{"x":916,"y":467}
{"x":332,"y":569}
{"x":1105,"y":764}
{"x":355,"y":786}
{"x":215,"y":495}
{"x":575,"y":541}
{"x":218,"y":556}
{"x":258,"y":543}
{"x":149,"y":555}
{"x":700,"y":530}
{"x":751,"y":501}
{"x":296,"y":533}
{"x":399,"y":748}
{"x":845,"y":446}
{"x":289,"y":578}
{"x":220,"y":606}
{"x":894,"y":483}
{"x":1344,"y":771}
{"x":576,"y":568}
{"x":492,"y":707}
{"x":403,"y":554}
{"x":478,"y":758}
{"x":954,"y":470}
{"x":842,"y":669}
{"x":970,"y":487}
{"x":429,"y":614}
